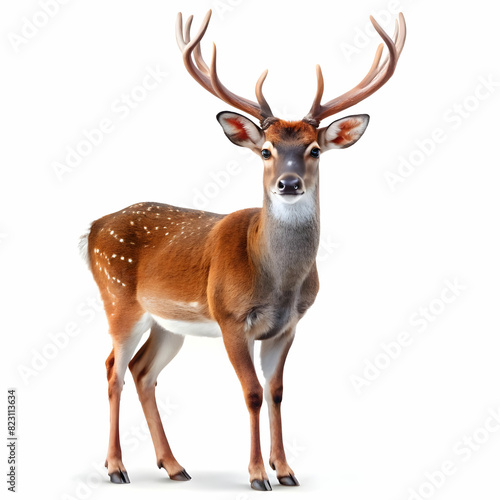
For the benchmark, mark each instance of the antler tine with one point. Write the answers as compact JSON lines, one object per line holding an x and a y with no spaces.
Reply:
{"x":377,"y":76}
{"x":392,"y":56}
{"x":207,"y":76}
{"x":399,"y":40}
{"x":181,"y":43}
{"x":226,"y":95}
{"x":373,"y":70}
{"x":188,"y":47}
{"x":187,"y":29}
{"x":316,"y":105}
{"x":184,"y":39}
{"x":402,"y":33}
{"x":264,"y":106}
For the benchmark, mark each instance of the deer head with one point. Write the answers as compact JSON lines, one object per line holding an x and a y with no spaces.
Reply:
{"x":290,"y":150}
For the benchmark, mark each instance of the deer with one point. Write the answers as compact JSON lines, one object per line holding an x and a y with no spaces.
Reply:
{"x":248,"y":276}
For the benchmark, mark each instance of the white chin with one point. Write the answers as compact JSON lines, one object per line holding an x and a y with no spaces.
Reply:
{"x":287,"y":209}
{"x":288,"y":199}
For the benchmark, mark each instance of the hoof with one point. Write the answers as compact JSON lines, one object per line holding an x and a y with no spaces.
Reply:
{"x":289,"y":480}
{"x":181,"y":476}
{"x":261,"y":485}
{"x":119,"y":477}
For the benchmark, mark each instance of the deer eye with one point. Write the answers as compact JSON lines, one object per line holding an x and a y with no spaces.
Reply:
{"x":315,"y":152}
{"x":266,"y":154}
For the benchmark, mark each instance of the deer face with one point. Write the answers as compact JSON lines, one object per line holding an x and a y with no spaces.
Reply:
{"x":291,"y":150}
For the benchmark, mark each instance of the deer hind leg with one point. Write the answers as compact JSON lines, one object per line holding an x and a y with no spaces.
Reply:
{"x":160,"y":348}
{"x":273,"y":355}
{"x":116,"y":365}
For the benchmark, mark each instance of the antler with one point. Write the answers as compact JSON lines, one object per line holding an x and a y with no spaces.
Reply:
{"x":374,"y":79}
{"x":207,"y":76}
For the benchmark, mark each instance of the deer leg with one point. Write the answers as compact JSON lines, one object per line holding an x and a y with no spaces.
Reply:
{"x":273,"y":355}
{"x":240,"y":352}
{"x":160,"y":348}
{"x":116,"y":365}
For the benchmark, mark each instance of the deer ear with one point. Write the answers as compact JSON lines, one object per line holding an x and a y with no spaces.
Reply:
{"x":241,"y":131}
{"x":342,"y":133}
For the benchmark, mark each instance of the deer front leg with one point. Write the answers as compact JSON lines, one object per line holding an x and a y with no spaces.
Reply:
{"x":240,"y":352}
{"x":273,"y":355}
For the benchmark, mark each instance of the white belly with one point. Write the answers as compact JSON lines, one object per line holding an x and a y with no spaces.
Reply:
{"x":197,"y":328}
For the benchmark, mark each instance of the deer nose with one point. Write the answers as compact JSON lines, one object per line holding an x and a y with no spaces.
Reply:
{"x":290,"y":184}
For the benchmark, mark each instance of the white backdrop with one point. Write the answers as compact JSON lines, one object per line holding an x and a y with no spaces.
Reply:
{"x":391,"y":388}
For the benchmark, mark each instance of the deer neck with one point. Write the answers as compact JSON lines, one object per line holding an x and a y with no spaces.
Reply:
{"x":287,"y":240}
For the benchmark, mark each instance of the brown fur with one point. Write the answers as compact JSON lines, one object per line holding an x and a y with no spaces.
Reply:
{"x":205,"y":258}
{"x":291,"y":132}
